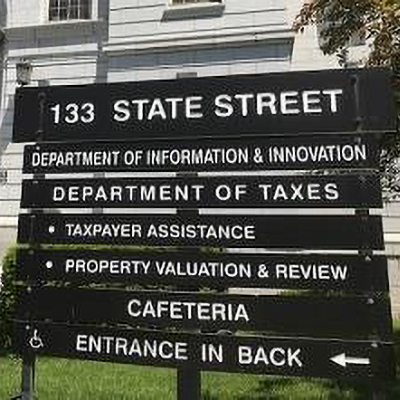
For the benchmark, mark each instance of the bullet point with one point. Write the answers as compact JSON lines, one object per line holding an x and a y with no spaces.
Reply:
{"x":52,"y":229}
{"x":49,"y":264}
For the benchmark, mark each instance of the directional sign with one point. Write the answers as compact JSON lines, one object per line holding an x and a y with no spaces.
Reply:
{"x":303,"y":315}
{"x":229,"y":154}
{"x":197,"y":269}
{"x":269,"y":104}
{"x":294,"y":231}
{"x":300,"y":191}
{"x":343,"y":360}
{"x":245,"y":354}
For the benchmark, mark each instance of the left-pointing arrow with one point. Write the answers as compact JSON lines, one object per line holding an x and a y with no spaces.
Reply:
{"x":343,"y":360}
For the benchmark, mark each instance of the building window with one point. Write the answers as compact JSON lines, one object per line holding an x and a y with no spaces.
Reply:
{"x":63,"y":10}
{"x":179,"y":2}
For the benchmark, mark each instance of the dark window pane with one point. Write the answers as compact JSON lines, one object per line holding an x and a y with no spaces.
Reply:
{"x":63,"y":13}
{"x":73,"y":13}
{"x":85,"y":9}
{"x":69,"y":9}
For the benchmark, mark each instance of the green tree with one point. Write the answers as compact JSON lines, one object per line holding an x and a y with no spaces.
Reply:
{"x":340,"y":20}
{"x":379,"y":22}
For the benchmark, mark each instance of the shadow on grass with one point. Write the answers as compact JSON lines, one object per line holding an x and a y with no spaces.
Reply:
{"x":315,"y":389}
{"x":306,"y":389}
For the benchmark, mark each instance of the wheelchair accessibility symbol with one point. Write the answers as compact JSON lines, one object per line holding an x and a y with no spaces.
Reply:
{"x":35,"y":341}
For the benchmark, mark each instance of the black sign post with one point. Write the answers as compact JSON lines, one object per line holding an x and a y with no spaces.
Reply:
{"x":267,"y":104}
{"x":201,"y":269}
{"x":292,"y":152}
{"x":305,"y":315}
{"x":300,"y":121}
{"x":254,"y":231}
{"x":274,"y":191}
{"x":263,"y":355}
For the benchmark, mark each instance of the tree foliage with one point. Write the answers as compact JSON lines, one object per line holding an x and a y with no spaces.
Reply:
{"x":341,"y":20}
{"x":378,"y":21}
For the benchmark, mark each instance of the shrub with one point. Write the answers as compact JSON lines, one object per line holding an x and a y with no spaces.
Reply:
{"x":7,"y":299}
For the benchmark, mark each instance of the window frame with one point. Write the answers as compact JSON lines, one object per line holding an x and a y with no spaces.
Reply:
{"x":93,"y":6}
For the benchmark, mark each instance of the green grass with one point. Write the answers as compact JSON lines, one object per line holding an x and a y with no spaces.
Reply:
{"x":61,"y":379}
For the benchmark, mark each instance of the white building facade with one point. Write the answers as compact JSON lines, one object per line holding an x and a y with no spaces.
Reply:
{"x":93,"y":41}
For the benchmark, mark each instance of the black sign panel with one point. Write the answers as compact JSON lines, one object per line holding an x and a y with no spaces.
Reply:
{"x":196,"y":269}
{"x":303,"y":315}
{"x":295,"y":231}
{"x":245,"y":354}
{"x":325,"y":191}
{"x":233,"y":154}
{"x":279,"y":103}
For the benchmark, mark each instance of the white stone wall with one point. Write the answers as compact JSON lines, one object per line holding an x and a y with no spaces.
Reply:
{"x":394,"y":279}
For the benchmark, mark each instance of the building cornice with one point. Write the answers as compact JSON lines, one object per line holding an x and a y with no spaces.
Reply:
{"x":170,"y":42}
{"x":53,"y":27}
{"x":146,"y":44}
